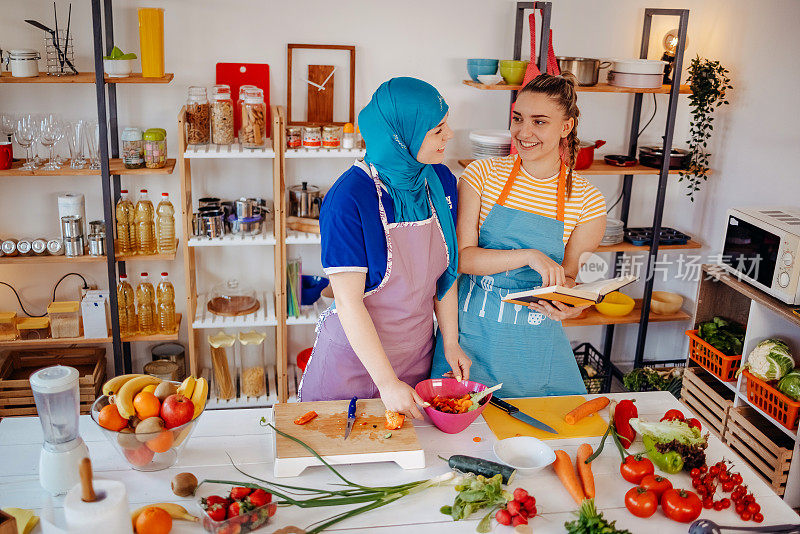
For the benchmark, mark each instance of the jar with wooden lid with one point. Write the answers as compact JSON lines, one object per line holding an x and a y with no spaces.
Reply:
{"x":65,"y":319}
{"x":8,"y":326}
{"x":222,"y":361}
{"x":221,"y":115}
{"x":254,"y":113}
{"x":197,"y":116}
{"x":252,"y":377}
{"x":34,"y":328}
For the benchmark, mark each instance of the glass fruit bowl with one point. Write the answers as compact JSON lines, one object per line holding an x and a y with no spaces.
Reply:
{"x":150,"y":450}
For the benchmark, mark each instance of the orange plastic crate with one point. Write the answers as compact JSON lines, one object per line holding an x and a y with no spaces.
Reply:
{"x":712,"y":360}
{"x":772,"y":402}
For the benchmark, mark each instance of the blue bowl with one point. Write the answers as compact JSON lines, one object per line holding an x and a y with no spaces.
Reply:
{"x":477,"y":67}
{"x":312,"y":287}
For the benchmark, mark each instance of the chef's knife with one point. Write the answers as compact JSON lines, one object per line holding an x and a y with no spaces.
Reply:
{"x":351,"y":416}
{"x":514,"y":412}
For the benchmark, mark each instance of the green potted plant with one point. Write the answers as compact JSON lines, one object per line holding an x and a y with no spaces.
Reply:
{"x":709,"y":83}
{"x":118,"y":64}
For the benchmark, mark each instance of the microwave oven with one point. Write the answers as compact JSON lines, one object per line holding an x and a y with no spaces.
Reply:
{"x":762,"y":247}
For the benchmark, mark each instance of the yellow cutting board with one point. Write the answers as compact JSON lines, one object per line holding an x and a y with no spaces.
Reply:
{"x":548,"y":410}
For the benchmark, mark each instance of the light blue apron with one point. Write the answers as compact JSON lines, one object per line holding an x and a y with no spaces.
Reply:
{"x":520,"y":347}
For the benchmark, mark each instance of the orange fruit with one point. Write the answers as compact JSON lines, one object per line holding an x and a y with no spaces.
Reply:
{"x":162,"y":442}
{"x":111,"y":419}
{"x":153,"y":520}
{"x":146,"y":405}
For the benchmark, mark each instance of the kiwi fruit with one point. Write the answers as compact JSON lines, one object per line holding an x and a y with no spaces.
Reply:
{"x":164,"y":390}
{"x":184,"y":484}
{"x":148,"y":428}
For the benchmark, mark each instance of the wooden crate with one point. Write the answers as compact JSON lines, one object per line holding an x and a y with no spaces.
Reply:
{"x":16,"y":367}
{"x":766,"y":448}
{"x":709,"y":399}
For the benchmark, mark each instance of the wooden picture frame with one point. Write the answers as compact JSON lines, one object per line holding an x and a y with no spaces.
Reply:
{"x":294,"y":46}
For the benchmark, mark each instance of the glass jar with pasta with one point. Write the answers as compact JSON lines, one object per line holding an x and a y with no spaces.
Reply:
{"x":254,"y":113}
{"x":221,"y":115}
{"x":252,"y":378}
{"x":222,"y":361}
{"x":197,"y":116}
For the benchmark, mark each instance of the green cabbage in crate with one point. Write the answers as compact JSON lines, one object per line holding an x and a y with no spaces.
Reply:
{"x":790,"y":384}
{"x":770,"y":360}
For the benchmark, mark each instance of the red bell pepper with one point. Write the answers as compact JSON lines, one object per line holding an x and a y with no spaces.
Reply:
{"x":623,"y":413}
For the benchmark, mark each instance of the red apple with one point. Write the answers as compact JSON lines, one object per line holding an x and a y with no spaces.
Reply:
{"x":139,"y":457}
{"x":176,"y":410}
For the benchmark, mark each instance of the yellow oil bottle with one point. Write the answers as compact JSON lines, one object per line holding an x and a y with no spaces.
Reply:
{"x":128,"y":323}
{"x":165,"y":306}
{"x":145,"y":225}
{"x":126,"y":227}
{"x":165,"y":225}
{"x":146,"y":306}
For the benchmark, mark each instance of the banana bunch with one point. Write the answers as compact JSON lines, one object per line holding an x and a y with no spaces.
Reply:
{"x":195,"y":389}
{"x":176,"y":511}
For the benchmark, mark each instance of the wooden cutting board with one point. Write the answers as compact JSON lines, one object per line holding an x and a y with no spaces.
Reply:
{"x":548,"y":410}
{"x":366,"y":442}
{"x":237,"y":74}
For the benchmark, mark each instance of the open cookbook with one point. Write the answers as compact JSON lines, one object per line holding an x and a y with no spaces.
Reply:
{"x":580,"y":295}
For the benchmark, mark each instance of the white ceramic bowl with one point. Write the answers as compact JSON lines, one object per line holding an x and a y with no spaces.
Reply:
{"x":489,"y":79}
{"x":118,"y":68}
{"x":638,"y":66}
{"x":525,"y":453}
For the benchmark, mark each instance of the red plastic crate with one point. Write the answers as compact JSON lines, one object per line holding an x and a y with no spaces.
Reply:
{"x":722,"y":366}
{"x":772,"y":402}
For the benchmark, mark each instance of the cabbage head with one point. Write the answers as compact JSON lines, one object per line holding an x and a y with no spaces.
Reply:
{"x":790,"y":384}
{"x":770,"y":360}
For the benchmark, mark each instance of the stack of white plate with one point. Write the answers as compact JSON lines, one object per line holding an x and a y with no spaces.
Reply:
{"x":637,"y":73}
{"x":490,"y":143}
{"x":615,"y":232}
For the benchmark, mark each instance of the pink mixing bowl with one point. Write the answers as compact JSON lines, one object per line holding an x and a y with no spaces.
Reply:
{"x":451,"y":423}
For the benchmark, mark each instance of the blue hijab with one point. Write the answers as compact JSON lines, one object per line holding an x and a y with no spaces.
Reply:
{"x":393,"y":125}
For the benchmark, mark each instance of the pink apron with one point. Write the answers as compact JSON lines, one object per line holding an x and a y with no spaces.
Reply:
{"x":401,"y":308}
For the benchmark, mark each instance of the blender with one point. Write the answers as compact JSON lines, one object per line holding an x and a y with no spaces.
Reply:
{"x":55,"y":391}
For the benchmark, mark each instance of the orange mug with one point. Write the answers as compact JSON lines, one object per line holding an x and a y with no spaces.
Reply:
{"x":6,"y":155}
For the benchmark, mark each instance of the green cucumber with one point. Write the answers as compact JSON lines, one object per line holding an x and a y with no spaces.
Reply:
{"x":479,"y":466}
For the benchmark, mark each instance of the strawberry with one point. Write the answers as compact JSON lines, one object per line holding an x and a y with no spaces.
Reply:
{"x":234,"y":510}
{"x":238,"y":493}
{"x":519,"y":520}
{"x":259,"y":498}
{"x":217,"y":512}
{"x":520,"y":495}
{"x":271,"y":509}
{"x":216,"y":499}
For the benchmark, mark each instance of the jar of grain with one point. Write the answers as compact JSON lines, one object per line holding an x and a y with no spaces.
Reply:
{"x":254,"y":113}
{"x":197,"y":117}
{"x":221,"y":115}
{"x":252,"y":376}
{"x":132,"y":148}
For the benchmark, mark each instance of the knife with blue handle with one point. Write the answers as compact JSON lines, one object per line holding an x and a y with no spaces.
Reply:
{"x":514,"y":412}
{"x":351,"y":416}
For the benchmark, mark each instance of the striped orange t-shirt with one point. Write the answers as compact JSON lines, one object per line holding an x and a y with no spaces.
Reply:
{"x":488,"y":177}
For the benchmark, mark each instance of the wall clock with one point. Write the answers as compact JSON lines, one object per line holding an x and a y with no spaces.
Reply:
{"x":314,"y":85}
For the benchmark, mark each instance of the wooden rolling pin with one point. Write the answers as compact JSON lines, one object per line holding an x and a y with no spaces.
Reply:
{"x":302,"y":224}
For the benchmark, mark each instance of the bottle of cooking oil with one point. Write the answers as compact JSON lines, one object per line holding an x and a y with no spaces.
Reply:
{"x":165,"y":225}
{"x":146,"y":306}
{"x":145,"y":225}
{"x":126,"y":227}
{"x":128,"y":324}
{"x":165,"y":306}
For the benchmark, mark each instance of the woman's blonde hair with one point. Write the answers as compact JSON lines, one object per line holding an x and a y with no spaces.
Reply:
{"x":562,"y":90}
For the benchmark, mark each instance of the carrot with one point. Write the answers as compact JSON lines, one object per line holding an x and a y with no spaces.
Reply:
{"x":585,"y":470}
{"x":566,"y":473}
{"x":587,"y":408}
{"x":305,"y":418}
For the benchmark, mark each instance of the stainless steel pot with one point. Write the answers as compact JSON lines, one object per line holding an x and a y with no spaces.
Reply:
{"x":249,"y":226}
{"x":586,"y":69}
{"x":97,"y":244}
{"x":305,"y":201}
{"x":208,"y":202}
{"x":213,"y":224}
{"x":246,"y":208}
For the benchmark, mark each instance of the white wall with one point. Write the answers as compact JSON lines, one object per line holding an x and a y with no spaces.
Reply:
{"x":430,"y":40}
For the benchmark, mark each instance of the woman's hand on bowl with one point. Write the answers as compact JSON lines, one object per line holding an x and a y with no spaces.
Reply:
{"x":458,"y":360}
{"x":398,"y":396}
{"x":557,"y":311}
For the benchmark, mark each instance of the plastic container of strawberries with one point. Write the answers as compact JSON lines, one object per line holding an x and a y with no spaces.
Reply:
{"x":246,"y":517}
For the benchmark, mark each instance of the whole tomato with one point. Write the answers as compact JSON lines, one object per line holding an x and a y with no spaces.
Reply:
{"x":673,"y":415}
{"x":635,"y":468}
{"x":641,"y":502}
{"x":681,"y":505}
{"x":656,"y":484}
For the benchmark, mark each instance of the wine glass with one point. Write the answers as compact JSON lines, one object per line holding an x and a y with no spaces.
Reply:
{"x":25,"y":135}
{"x":8,"y":124}
{"x":91,"y":135}
{"x":74,"y":134}
{"x":49,"y":135}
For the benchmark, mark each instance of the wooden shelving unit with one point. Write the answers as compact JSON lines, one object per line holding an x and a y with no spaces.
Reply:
{"x":85,"y":77}
{"x":601,"y":168}
{"x":599,"y":88}
{"x":592,"y":317}
{"x":86,"y":258}
{"x":629,"y":247}
{"x":115,"y":165}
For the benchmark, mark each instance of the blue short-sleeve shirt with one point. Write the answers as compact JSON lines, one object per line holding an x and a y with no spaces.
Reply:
{"x":350,"y":223}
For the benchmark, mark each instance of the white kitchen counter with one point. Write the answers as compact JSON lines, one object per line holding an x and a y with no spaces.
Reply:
{"x":239,"y":434}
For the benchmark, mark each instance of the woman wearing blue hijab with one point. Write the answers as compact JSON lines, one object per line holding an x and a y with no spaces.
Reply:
{"x":389,"y":248}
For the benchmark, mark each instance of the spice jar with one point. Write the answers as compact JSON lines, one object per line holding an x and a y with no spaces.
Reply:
{"x":221,"y":115}
{"x":197,"y":116}
{"x":24,"y":247}
{"x":348,"y":138}
{"x":222,"y":360}
{"x":132,"y":148}
{"x":252,"y":378}
{"x":294,"y":137}
{"x":155,"y":148}
{"x":312,"y":137}
{"x":331,"y":136}
{"x":254,"y":112}
{"x":9,"y":247}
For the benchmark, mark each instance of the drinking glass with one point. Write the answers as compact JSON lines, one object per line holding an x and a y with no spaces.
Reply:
{"x":50,"y":128}
{"x":74,"y":135}
{"x":91,"y":135}
{"x":8,"y":124}
{"x":25,"y":135}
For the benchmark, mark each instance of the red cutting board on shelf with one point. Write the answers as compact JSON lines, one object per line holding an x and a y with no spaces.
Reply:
{"x":237,"y":74}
